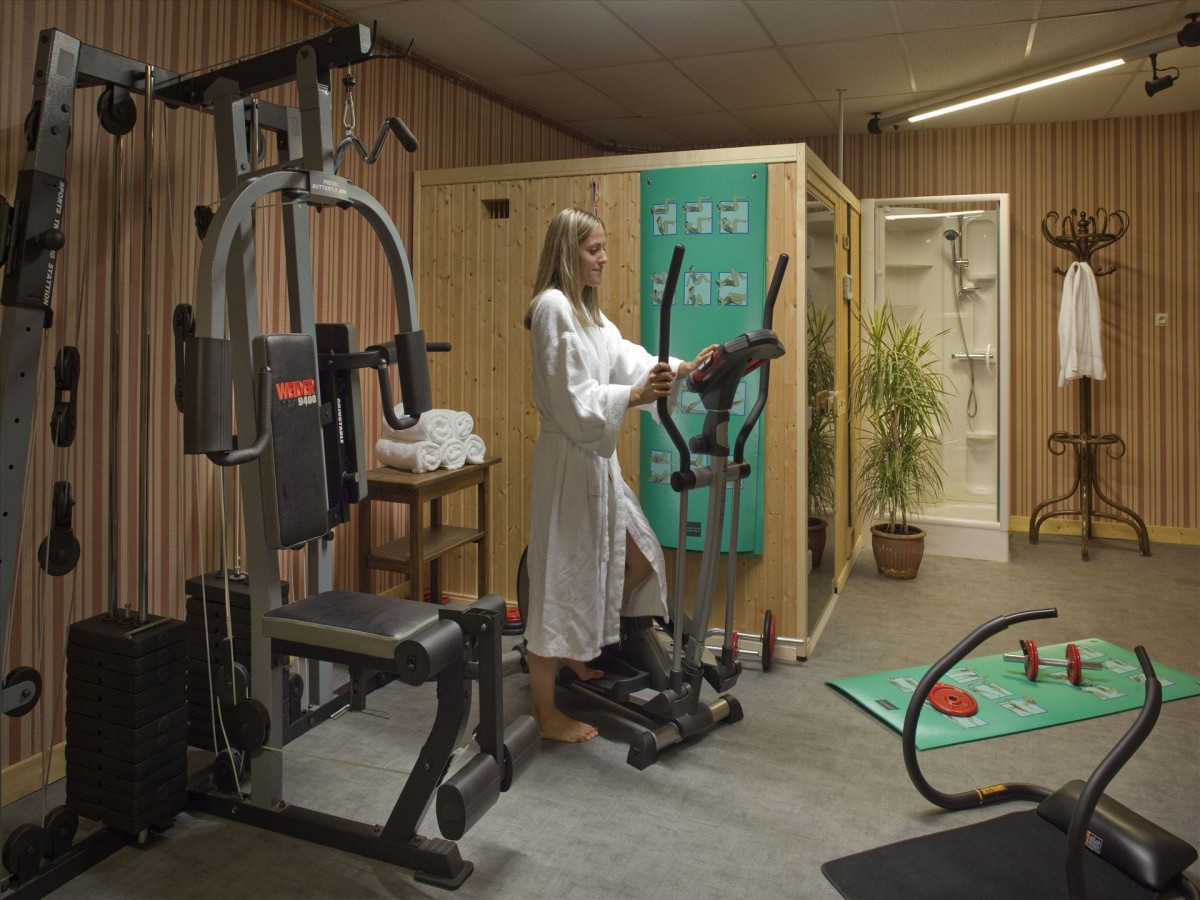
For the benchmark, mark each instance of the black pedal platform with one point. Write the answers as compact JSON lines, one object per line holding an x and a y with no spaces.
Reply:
{"x":126,"y":720}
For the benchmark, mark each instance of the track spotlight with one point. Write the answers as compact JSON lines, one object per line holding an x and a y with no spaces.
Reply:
{"x":1159,"y":82}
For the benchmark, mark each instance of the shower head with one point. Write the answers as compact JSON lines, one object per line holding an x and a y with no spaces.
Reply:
{"x":950,"y":234}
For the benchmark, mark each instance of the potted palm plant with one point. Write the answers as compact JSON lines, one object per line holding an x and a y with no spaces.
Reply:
{"x":900,"y":395}
{"x":820,"y":431}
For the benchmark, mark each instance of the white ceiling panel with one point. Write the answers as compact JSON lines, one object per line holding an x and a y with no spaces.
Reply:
{"x":651,"y":89}
{"x":562,"y":96}
{"x":869,"y":65}
{"x":677,"y":73}
{"x":697,"y":28}
{"x":573,"y":33}
{"x":735,"y":79}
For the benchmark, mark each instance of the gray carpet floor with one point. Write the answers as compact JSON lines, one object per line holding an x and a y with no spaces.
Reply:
{"x":753,"y":809}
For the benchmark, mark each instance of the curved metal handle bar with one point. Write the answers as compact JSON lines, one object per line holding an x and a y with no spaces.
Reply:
{"x":236,"y":207}
{"x":1120,"y":754}
{"x":765,"y":369}
{"x":664,"y":344}
{"x":262,"y":413}
{"x":389,"y":405}
{"x":997,"y":793}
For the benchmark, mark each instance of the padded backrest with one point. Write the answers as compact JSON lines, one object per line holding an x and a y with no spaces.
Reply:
{"x":295,"y":502}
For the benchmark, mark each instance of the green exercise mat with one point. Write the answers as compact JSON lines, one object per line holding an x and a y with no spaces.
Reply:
{"x":1008,"y":701}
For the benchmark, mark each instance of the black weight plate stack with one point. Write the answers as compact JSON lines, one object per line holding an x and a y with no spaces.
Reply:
{"x":126,"y":725}
{"x":206,"y":633}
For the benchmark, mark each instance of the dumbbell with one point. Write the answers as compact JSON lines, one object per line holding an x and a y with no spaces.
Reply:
{"x":1074,"y":664}
{"x":766,"y":641}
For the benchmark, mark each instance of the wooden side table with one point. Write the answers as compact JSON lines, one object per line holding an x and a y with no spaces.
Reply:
{"x":422,"y":545}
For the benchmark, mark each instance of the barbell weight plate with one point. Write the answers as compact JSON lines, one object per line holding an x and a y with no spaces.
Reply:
{"x":1029,"y":648}
{"x":953,"y":701}
{"x":1074,"y":664}
{"x":768,"y":641}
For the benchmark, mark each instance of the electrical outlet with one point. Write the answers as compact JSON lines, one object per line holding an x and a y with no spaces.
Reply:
{"x":1160,"y":319}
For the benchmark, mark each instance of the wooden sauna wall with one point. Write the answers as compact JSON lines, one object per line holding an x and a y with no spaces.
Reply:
{"x":474,"y":276}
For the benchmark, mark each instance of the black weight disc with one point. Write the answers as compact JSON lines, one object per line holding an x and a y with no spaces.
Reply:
{"x":22,"y":852}
{"x":249,"y":725}
{"x":60,"y":827}
{"x":768,"y":641}
{"x":28,"y":701}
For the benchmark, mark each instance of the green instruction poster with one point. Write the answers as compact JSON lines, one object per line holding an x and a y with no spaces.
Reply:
{"x":719,"y":214}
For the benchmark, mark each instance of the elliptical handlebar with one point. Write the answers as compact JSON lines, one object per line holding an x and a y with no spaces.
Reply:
{"x":664,"y":343}
{"x":764,"y":376}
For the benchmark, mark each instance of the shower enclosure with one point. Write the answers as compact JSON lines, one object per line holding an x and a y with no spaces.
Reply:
{"x":945,"y":262}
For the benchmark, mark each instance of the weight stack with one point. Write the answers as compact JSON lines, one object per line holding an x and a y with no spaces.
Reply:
{"x":205,"y":656}
{"x":126,"y":723}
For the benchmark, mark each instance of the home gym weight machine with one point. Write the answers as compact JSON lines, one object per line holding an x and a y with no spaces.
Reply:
{"x":652,"y":674}
{"x":299,"y":398}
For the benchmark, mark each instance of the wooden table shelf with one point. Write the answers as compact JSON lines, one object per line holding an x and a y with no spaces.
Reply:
{"x":426,"y":544}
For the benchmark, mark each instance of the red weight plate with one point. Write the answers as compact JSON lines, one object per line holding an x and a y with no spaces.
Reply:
{"x":1029,"y":648}
{"x":953,"y":701}
{"x":1074,"y":664}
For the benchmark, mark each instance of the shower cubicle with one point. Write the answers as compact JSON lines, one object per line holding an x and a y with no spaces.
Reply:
{"x":945,"y":261}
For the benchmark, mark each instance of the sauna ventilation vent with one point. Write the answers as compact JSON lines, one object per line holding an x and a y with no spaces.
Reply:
{"x":496,"y":209}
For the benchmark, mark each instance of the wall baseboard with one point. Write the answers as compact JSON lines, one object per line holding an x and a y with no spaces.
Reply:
{"x":1158,"y":533}
{"x":25,"y":777}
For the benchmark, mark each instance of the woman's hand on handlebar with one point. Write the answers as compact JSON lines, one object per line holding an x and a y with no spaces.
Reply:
{"x":656,"y":384}
{"x":687,"y":368}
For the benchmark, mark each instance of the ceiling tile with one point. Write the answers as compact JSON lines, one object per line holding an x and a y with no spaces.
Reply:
{"x":815,"y":21}
{"x":935,"y":15}
{"x":869,"y":65}
{"x":708,"y":128}
{"x":967,"y":58}
{"x":449,"y":35}
{"x":708,"y":26}
{"x":573,"y":33}
{"x":732,"y":77}
{"x":650,"y":89}
{"x":636,"y":132}
{"x":1064,"y":40}
{"x":792,"y":122}
{"x":562,"y":96}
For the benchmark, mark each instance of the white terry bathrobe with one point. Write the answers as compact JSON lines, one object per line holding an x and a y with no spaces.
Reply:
{"x":580,"y":505}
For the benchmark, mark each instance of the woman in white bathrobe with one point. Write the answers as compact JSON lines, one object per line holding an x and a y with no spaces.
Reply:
{"x":592,"y":554}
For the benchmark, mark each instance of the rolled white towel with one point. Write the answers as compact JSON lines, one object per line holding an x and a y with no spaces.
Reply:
{"x":435,"y":425}
{"x":454,"y":454}
{"x":420,"y":456}
{"x":464,"y":424}
{"x":476,"y":449}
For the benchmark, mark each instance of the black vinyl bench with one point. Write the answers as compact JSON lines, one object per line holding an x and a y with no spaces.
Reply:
{"x":452,"y":645}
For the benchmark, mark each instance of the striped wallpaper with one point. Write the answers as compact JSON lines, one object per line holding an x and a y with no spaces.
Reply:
{"x":1145,"y":166}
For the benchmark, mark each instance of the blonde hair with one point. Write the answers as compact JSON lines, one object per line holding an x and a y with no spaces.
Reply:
{"x":558,"y":266}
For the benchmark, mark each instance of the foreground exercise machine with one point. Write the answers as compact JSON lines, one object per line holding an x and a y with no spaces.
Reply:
{"x":1039,"y":852}
{"x":299,"y":450}
{"x":657,"y":670}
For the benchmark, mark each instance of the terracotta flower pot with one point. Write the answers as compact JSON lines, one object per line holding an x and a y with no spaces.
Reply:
{"x":897,"y":555}
{"x":816,"y":540}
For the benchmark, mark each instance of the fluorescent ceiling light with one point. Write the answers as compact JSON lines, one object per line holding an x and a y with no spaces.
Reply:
{"x":933,"y":215}
{"x":1019,"y":89}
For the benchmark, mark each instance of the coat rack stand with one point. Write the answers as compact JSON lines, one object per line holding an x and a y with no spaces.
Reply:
{"x":1082,"y":235}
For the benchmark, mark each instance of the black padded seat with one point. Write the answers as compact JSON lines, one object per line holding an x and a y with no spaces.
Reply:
{"x":346,"y":626}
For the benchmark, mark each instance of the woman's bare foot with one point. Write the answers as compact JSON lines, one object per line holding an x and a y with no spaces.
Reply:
{"x":558,"y":726}
{"x":582,"y":670}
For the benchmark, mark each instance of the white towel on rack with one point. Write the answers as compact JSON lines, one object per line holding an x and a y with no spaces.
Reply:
{"x":476,"y":449}
{"x":1079,"y":352}
{"x":436,"y":425}
{"x":454,"y":454}
{"x":417,"y":456}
